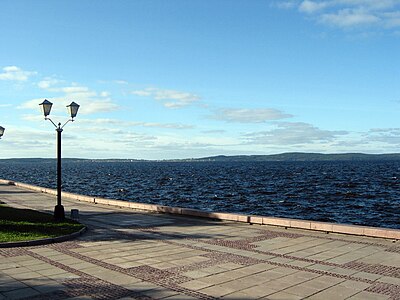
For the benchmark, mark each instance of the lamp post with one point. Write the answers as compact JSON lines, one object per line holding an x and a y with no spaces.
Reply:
{"x":1,"y":131}
{"x":46,"y":105}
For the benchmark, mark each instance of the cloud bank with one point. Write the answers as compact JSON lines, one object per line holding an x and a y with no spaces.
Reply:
{"x":169,"y":98}
{"x":245,"y":115}
{"x":15,"y":73}
{"x":91,"y":101}
{"x":296,"y":133}
{"x":349,"y":14}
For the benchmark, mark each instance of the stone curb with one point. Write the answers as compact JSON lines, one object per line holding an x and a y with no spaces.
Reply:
{"x":252,"y":219}
{"x":58,"y":239}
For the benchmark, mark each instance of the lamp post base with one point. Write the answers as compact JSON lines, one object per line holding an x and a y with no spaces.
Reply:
{"x":59,"y":214}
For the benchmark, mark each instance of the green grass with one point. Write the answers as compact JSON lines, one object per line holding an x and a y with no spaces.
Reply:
{"x":26,"y":224}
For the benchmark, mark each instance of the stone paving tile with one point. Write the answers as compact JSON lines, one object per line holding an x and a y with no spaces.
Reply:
{"x":342,"y":271}
{"x":11,"y":286}
{"x":16,"y":270}
{"x":83,"y":297}
{"x":139,"y":286}
{"x":368,"y":296}
{"x":302,"y":290}
{"x":217,"y":291}
{"x":321,"y":283}
{"x":391,"y":280}
{"x":5,"y":279}
{"x":282,"y":260}
{"x":279,"y":284}
{"x":160,"y":293}
{"x":132,"y":264}
{"x":369,"y":276}
{"x":282,"y":296}
{"x":336,"y":292}
{"x":299,"y":246}
{"x":217,"y":279}
{"x":63,"y":276}
{"x":51,"y":271}
{"x":239,"y":284}
{"x":258,"y":291}
{"x":195,"y":274}
{"x":48,"y":288}
{"x":21,"y":293}
{"x":321,"y":267}
{"x":375,"y":258}
{"x":180,"y":297}
{"x":196,"y":284}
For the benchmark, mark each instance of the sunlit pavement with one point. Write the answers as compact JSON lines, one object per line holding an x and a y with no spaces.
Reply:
{"x":130,"y":254}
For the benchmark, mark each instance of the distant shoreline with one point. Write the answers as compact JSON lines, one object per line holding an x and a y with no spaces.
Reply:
{"x":291,"y":156}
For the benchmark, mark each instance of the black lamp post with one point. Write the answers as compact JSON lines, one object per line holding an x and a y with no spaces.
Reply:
{"x":1,"y":131}
{"x":46,"y":105}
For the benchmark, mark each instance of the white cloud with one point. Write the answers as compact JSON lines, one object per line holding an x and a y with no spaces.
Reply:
{"x":96,"y":105}
{"x":285,"y":4}
{"x":24,"y":141}
{"x":105,"y":94}
{"x":142,"y":93}
{"x":48,"y":82}
{"x":309,"y":7}
{"x":384,"y":135}
{"x":297,"y":133}
{"x":367,"y":4}
{"x":88,"y":105}
{"x":354,"y":14}
{"x":349,"y":18}
{"x":119,"y":123}
{"x":165,"y":125}
{"x":75,"y":89}
{"x":169,"y":98}
{"x":392,"y":19}
{"x":214,"y":131}
{"x":14,"y":73}
{"x":244,"y":115}
{"x":90,"y":101}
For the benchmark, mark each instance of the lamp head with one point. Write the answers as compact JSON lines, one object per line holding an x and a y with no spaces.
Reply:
{"x":46,"y":107}
{"x":1,"y":131}
{"x":73,"y":109}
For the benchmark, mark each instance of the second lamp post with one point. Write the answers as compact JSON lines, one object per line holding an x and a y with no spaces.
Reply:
{"x":46,"y":105}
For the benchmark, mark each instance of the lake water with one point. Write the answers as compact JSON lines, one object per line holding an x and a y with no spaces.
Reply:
{"x":362,"y":192}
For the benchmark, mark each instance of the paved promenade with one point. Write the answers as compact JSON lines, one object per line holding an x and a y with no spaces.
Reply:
{"x":129,"y":254}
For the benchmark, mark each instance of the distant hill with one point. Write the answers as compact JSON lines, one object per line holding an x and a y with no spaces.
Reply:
{"x":291,"y":156}
{"x":39,"y":160}
{"x":299,"y":156}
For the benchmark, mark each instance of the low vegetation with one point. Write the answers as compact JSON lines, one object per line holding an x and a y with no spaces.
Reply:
{"x":26,"y":224}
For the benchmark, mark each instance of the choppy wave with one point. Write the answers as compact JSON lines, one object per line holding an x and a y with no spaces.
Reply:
{"x":364,"y":193}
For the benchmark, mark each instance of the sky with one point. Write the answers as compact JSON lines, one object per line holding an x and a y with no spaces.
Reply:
{"x":159,"y":79}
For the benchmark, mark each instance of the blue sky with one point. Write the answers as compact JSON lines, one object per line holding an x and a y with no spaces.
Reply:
{"x":181,"y":79}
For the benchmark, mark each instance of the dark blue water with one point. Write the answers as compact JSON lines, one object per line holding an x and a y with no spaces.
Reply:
{"x":364,"y":193}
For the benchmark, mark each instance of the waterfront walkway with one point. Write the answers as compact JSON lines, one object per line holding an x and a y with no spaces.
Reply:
{"x":131,"y":254}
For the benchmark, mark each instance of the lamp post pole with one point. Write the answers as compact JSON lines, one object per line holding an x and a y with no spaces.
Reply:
{"x":59,"y":214}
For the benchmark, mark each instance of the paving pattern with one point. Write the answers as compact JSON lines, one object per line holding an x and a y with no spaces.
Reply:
{"x":129,"y":254}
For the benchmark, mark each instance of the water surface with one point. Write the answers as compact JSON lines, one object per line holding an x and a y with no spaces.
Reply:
{"x":362,"y":192}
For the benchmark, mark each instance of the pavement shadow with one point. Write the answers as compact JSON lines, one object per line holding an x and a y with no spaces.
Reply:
{"x":126,"y":227}
{"x":15,"y":192}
